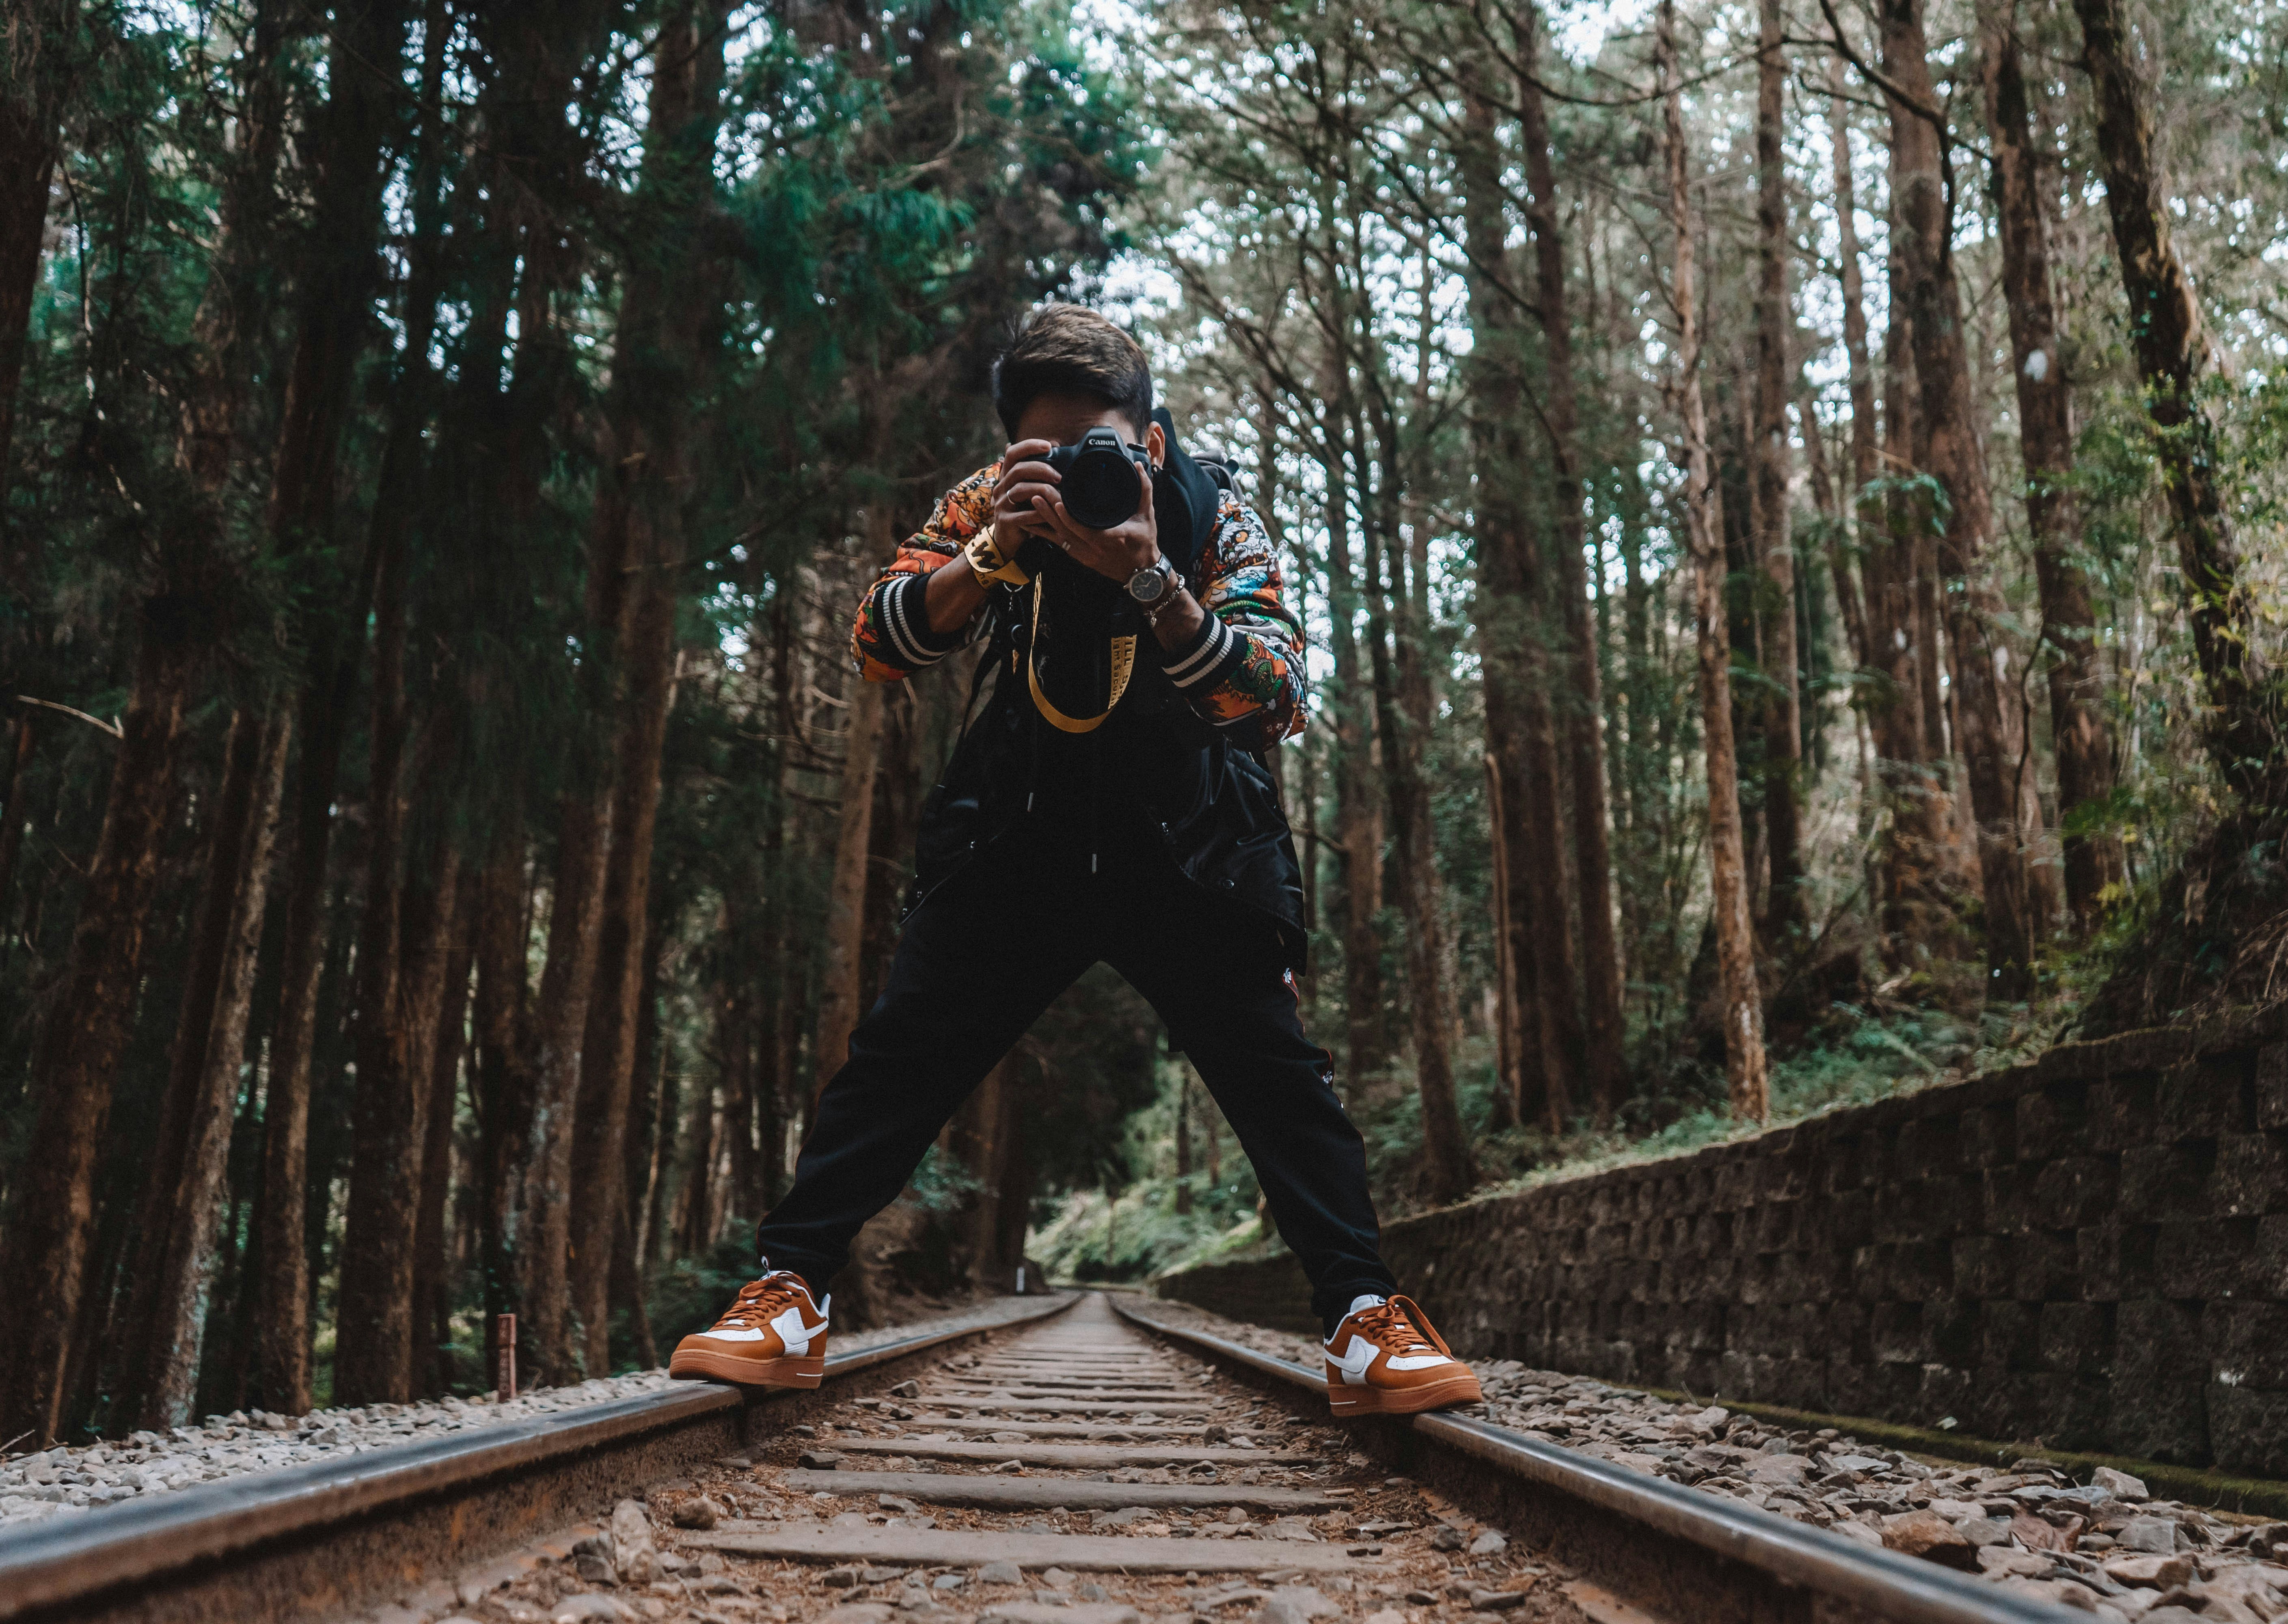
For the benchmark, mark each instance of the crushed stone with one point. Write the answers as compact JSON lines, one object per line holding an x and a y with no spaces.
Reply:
{"x":74,"y":1481}
{"x":2105,"y":1547}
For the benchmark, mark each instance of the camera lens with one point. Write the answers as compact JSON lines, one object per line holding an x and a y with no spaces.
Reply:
{"x":1101,"y":488}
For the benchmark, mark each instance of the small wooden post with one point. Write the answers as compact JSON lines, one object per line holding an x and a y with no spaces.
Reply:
{"x":504,"y":1357}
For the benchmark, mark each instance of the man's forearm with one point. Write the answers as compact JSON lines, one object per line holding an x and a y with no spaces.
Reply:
{"x":953,"y":593}
{"x":1181,"y":622}
{"x":951,"y":596}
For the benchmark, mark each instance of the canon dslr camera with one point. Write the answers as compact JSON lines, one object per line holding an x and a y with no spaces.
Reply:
{"x":1100,"y":486}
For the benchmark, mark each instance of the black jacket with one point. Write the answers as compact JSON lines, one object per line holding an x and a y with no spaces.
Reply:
{"x":1155,"y":771}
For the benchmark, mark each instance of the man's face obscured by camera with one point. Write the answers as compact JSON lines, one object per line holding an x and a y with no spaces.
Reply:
{"x":1062,"y":419}
{"x":1028,"y":500}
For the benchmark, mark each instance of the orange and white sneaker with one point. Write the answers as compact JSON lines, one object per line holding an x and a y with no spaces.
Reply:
{"x":774,"y":1335}
{"x":1385,"y":1358}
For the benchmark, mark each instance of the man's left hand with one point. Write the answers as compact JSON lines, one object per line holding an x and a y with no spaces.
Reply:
{"x":1116,"y":554}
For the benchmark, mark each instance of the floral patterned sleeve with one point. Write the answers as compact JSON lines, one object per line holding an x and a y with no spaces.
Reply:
{"x":1244,"y":671}
{"x":892,"y":638}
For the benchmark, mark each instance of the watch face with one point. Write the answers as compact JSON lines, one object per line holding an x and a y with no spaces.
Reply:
{"x":1148,"y":586}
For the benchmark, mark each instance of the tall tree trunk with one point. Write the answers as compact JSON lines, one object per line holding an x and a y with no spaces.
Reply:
{"x":375,"y":1357}
{"x":1734,"y":487}
{"x":334,"y":326}
{"x":791,"y":1016}
{"x":1743,"y":1005}
{"x":148,"y":1274}
{"x":698,"y":1217}
{"x":653,"y":1244}
{"x":1184,"y":1144}
{"x":776,"y":1028}
{"x":1605,"y":1030}
{"x":743,"y":1047}
{"x":2085,"y":754}
{"x":176,"y":1326}
{"x":432,"y":1291}
{"x":544,"y":1159}
{"x":435,"y":951}
{"x":1864,"y":454}
{"x":2172,"y":352}
{"x":843,"y":969}
{"x":1504,"y":613}
{"x":504,"y":1081}
{"x":373,"y":1350}
{"x":1913,"y":515}
{"x":1548,"y":933}
{"x":986,"y":1137}
{"x":663,"y":333}
{"x":1303,"y":797}
{"x":609,"y":1057}
{"x":281,"y":1350}
{"x":29,"y":133}
{"x":14,"y":815}
{"x":1909,"y":900}
{"x":38,"y":50}
{"x":641,"y":1161}
{"x":1409,"y":722}
{"x":1511,"y":1060}
{"x":1358,"y":807}
{"x":528,"y":257}
{"x":1988,"y":736}
{"x":1774,"y":550}
{"x":540,"y":1177}
{"x":222,"y":1387}
{"x":898,"y":780}
{"x":1920,"y":864}
{"x":1848,"y":608}
{"x":43,"y":1250}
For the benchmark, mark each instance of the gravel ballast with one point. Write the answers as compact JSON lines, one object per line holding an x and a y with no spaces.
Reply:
{"x":2104,"y":1547}
{"x":70,"y":1482}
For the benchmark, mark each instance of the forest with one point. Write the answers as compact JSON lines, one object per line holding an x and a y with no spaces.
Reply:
{"x":1787,"y":500}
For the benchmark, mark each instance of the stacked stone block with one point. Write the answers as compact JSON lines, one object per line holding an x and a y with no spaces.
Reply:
{"x":2090,"y":1251}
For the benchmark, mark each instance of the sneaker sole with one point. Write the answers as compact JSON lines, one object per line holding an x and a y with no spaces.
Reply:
{"x":1345,"y":1399}
{"x":699,"y":1364}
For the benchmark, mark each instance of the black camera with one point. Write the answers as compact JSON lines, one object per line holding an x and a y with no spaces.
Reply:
{"x":1100,"y":486}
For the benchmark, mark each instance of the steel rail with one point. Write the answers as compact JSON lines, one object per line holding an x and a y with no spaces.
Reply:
{"x":1871,"y":1584}
{"x":51,"y":1567}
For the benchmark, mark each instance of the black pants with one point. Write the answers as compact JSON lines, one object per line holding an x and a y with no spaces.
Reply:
{"x":987,"y":953}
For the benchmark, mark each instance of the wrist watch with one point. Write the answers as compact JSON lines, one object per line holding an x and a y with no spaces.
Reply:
{"x":1154,"y":587}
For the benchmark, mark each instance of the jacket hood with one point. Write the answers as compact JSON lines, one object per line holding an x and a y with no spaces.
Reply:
{"x":1184,"y":498}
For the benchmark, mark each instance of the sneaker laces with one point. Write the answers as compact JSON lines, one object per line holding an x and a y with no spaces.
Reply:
{"x":1397,"y":1325}
{"x":760,"y":1301}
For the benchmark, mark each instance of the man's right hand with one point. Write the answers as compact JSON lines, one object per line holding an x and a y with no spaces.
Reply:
{"x":1024,"y":506}
{"x":1024,"y":501}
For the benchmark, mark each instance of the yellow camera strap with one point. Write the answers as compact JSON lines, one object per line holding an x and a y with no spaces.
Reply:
{"x":1124,"y":662}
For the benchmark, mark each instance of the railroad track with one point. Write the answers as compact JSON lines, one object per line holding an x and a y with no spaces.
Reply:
{"x":1092,"y":1466}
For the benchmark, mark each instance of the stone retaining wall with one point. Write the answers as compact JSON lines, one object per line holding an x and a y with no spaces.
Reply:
{"x":2091,"y":1251}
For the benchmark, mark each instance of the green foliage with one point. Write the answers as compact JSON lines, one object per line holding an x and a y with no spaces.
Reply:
{"x":1084,"y":1071}
{"x":1863,"y":1060}
{"x":688,"y":1295}
{"x":1131,"y":1229}
{"x":941,"y":1185}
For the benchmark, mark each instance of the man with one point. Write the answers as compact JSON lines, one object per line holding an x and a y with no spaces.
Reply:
{"x":1109,"y":803}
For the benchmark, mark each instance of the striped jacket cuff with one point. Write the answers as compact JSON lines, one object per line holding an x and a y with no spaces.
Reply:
{"x":905,"y":622}
{"x":1195,"y":668}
